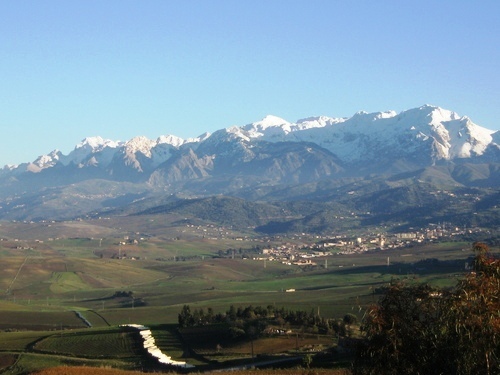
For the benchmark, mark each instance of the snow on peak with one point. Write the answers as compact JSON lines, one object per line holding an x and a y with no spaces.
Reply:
{"x":97,"y":143}
{"x":469,"y":139}
{"x":387,"y":114}
{"x":422,"y":114}
{"x":439,"y":115}
{"x":270,"y":121}
{"x":360,"y":113}
{"x":45,"y":161}
{"x":223,"y":136}
{"x":90,"y":146}
{"x":237,"y":132}
{"x":454,"y":136}
{"x":269,"y":126}
{"x":427,"y":106}
{"x":49,"y":159}
{"x":171,"y":140}
{"x":351,"y":138}
{"x":316,"y":122}
{"x":141,"y":144}
{"x":367,"y":116}
{"x":93,"y":142}
{"x":199,"y":139}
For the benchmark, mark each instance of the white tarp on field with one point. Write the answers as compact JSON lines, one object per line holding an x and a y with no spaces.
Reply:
{"x":150,"y":345}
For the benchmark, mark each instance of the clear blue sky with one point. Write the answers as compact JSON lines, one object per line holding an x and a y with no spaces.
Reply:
{"x":119,"y":68}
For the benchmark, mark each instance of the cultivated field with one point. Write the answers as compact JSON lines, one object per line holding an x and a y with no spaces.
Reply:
{"x":64,"y":297}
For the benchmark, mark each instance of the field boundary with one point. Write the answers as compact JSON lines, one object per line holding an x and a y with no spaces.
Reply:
{"x":9,"y":288}
{"x":100,"y":316}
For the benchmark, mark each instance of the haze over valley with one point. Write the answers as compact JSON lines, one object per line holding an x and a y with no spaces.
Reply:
{"x":422,"y":166}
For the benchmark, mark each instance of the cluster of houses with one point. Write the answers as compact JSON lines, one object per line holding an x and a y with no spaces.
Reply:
{"x":297,"y":249}
{"x":303,"y":254}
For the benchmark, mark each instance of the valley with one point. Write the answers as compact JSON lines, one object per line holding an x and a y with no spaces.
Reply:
{"x":67,"y":282}
{"x":239,"y":233}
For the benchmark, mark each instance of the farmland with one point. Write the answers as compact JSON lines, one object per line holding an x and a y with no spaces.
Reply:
{"x":64,"y":297}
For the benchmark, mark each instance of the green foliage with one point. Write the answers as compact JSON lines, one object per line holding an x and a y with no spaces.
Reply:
{"x":185,"y":318}
{"x":252,"y":321}
{"x":220,"y":209}
{"x":350,"y":319}
{"x":307,"y":360}
{"x":119,"y":294}
{"x":421,"y":330}
{"x":474,"y":317}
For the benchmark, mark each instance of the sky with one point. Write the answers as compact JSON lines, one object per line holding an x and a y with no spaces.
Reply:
{"x":122,"y":68}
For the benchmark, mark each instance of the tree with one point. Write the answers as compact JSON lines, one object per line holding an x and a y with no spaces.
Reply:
{"x":185,"y":318}
{"x":398,"y":330}
{"x":307,"y":360}
{"x":232,"y":313}
{"x":350,"y":319}
{"x":418,"y":329}
{"x":210,"y":315}
{"x":474,"y":317}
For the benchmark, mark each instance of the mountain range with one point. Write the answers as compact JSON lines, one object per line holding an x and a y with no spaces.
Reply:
{"x":386,"y":163}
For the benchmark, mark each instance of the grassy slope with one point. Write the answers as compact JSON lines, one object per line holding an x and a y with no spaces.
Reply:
{"x":65,"y":275}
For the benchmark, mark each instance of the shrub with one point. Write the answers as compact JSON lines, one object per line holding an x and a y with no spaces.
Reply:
{"x":418,"y":329}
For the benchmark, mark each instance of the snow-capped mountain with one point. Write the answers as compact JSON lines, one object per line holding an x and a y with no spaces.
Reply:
{"x":442,"y":134}
{"x":92,"y":151}
{"x":366,"y":141}
{"x":375,"y":162}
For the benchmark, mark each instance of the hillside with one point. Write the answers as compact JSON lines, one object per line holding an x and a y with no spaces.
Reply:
{"x":319,"y":174}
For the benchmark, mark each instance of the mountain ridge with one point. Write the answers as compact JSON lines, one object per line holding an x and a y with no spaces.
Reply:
{"x":371,"y":168}
{"x":451,"y":135}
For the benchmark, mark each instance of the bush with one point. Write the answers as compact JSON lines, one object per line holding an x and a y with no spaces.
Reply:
{"x":350,"y":319}
{"x":422,"y":330}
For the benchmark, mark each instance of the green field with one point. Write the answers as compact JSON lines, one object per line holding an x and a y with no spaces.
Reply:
{"x":45,"y":283}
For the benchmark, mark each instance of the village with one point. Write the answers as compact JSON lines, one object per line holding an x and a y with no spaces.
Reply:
{"x":300,"y":249}
{"x":305,"y":254}
{"x":304,"y":249}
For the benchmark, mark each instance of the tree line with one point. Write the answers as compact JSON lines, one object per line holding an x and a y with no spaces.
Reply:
{"x":257,"y":320}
